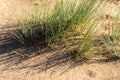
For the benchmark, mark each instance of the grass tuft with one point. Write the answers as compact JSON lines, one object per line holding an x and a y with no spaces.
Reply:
{"x":55,"y":24}
{"x":112,"y":40}
{"x":64,"y":19}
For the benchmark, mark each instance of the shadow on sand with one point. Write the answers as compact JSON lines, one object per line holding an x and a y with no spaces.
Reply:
{"x":37,"y":57}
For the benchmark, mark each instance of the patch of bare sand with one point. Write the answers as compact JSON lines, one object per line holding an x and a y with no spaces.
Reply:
{"x":43,"y":64}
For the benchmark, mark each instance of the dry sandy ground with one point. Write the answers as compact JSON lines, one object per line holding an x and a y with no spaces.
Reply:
{"x":44,"y":64}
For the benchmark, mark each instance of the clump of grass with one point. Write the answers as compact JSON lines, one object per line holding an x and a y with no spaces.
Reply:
{"x":54,"y":25}
{"x":112,"y":40}
{"x":64,"y":20}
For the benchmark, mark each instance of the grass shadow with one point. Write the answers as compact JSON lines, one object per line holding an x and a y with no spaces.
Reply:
{"x":39,"y":57}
